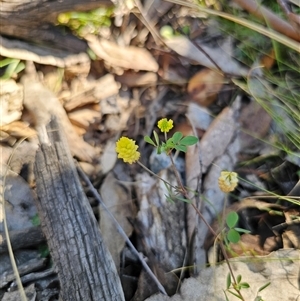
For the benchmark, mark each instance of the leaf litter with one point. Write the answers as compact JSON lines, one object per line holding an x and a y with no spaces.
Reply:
{"x":129,"y":85}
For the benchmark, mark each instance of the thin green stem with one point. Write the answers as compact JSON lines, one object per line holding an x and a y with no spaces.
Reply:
{"x":9,"y":247}
{"x":185,"y":193}
{"x":154,"y":174}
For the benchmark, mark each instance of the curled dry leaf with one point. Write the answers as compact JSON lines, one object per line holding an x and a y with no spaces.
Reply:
{"x":18,"y":129}
{"x":11,"y":101}
{"x":83,"y":117}
{"x":137,"y":79}
{"x":129,"y":57}
{"x":205,"y":85}
{"x":92,"y":92}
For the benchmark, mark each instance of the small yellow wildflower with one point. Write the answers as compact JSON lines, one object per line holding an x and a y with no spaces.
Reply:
{"x":127,"y":150}
{"x":228,"y":181}
{"x":164,"y":125}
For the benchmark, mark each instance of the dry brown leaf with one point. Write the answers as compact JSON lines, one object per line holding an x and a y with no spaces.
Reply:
{"x":205,"y":85}
{"x":255,"y":123}
{"x":218,"y":57}
{"x":91,"y":92}
{"x":137,"y":79}
{"x":250,"y":245}
{"x":129,"y":57}
{"x":11,"y":101}
{"x":217,"y":151}
{"x":18,"y":129}
{"x":108,"y":157}
{"x":84,"y":117}
{"x":219,"y":135}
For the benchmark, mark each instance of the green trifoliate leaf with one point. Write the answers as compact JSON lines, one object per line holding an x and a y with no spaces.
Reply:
{"x":231,"y":219}
{"x":189,"y":140}
{"x":149,"y":140}
{"x":156,"y":138}
{"x":233,"y":236}
{"x":244,"y":285}
{"x":176,"y":137}
{"x":181,"y":148}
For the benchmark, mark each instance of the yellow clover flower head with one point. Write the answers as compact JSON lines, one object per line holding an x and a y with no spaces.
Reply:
{"x":228,"y":180}
{"x":164,"y":125}
{"x":127,"y":150}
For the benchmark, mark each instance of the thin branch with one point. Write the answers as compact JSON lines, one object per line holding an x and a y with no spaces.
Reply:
{"x":120,"y":229}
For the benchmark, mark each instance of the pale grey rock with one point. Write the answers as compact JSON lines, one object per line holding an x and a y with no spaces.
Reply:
{"x":280,"y":268}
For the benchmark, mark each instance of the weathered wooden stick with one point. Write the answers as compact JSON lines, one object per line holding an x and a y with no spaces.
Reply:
{"x":85,"y":268}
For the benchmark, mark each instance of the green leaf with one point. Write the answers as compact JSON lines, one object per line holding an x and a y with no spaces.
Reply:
{"x":36,"y":220}
{"x":7,"y":61}
{"x":181,"y":148}
{"x":183,"y":199}
{"x":231,"y":219}
{"x":189,"y":140}
{"x":156,"y":138}
{"x":241,"y":230}
{"x":228,"y":281}
{"x":233,"y":236}
{"x":149,"y":140}
{"x":170,"y":143}
{"x":169,"y":199}
{"x":238,"y":278}
{"x":176,"y":137}
{"x":263,"y":287}
{"x":244,"y":285}
{"x":235,"y":294}
{"x":226,"y":296}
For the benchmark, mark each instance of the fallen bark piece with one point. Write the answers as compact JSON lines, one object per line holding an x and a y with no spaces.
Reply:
{"x":21,"y":239}
{"x":160,"y":224}
{"x":85,"y":267}
{"x":23,"y":269}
